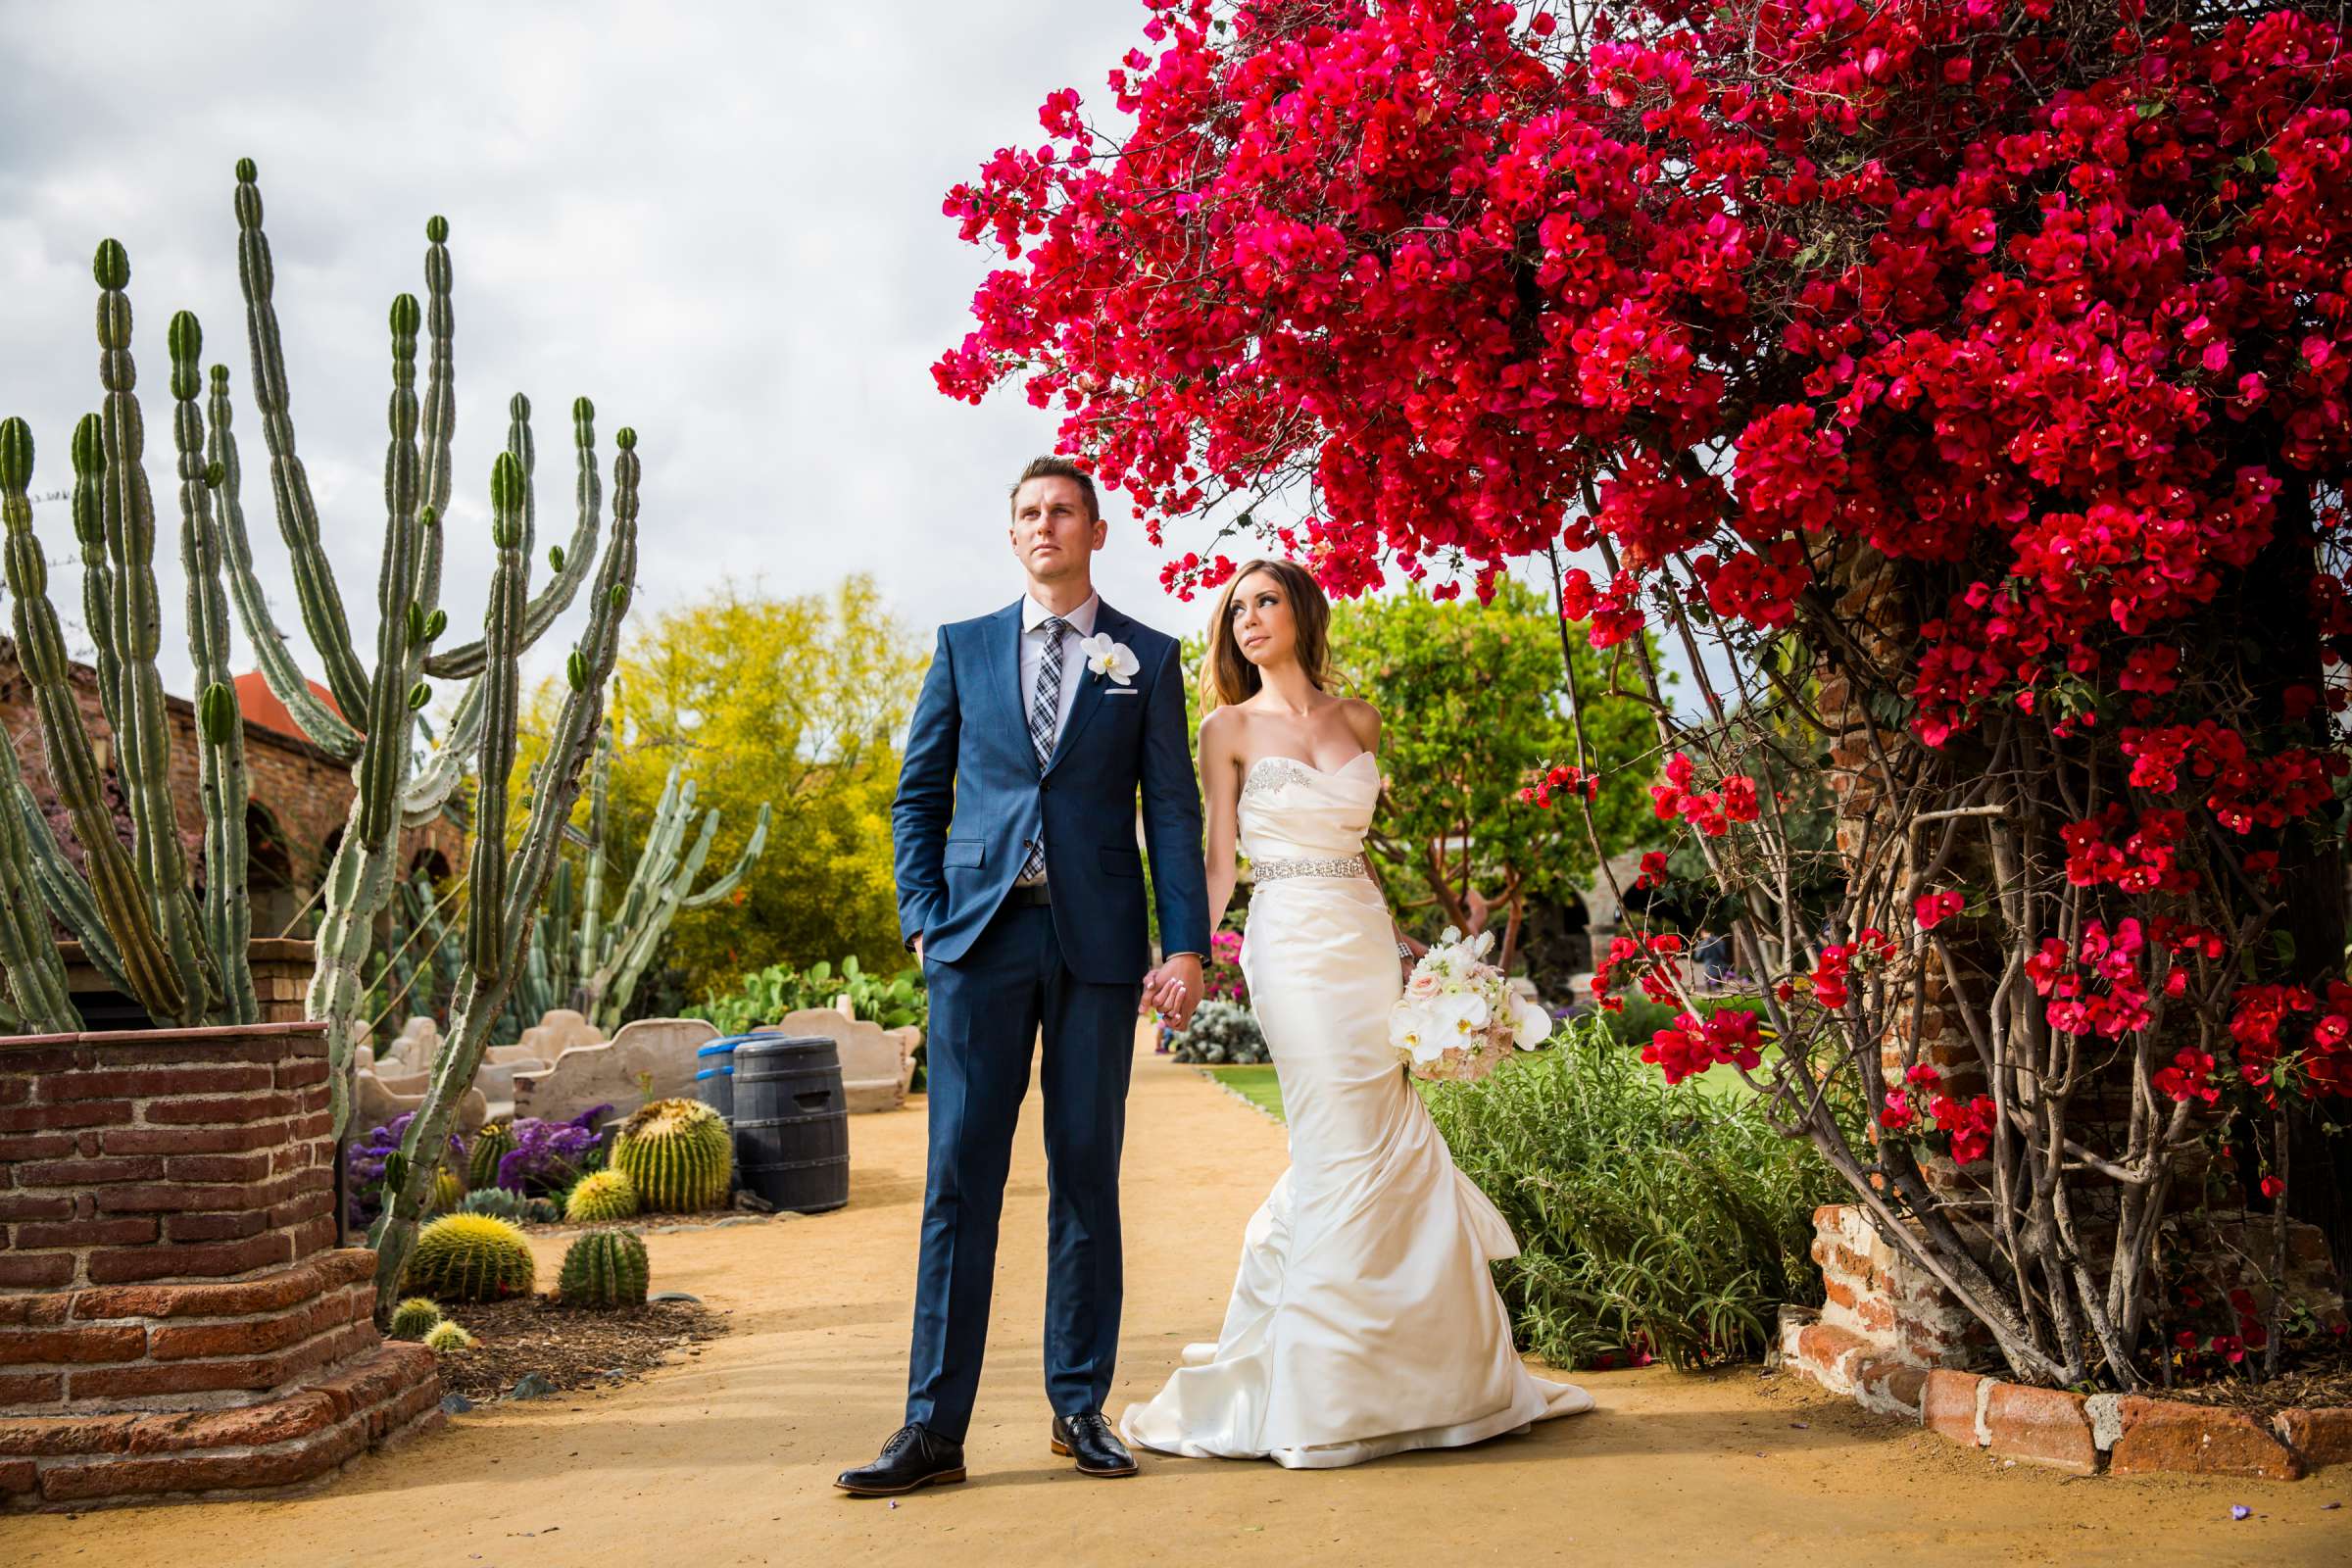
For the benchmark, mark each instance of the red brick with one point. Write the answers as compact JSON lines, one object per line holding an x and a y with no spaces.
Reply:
{"x":18,"y":1476}
{"x":241,"y":1108}
{"x":162,"y":1197}
{"x":35,"y":1205}
{"x":137,"y":1083}
{"x":193,"y":1139}
{"x":266,"y":1049}
{"x":2203,"y":1440}
{"x":218,"y":1227}
{"x":36,"y":1146}
{"x":88,"y":1172}
{"x":254,"y":1165}
{"x":1949,"y":1404}
{"x":379,"y":1376}
{"x":26,"y":1311}
{"x":165,"y":1259}
{"x":270,"y":1371}
{"x":1898,"y":1381}
{"x":50,"y":1436}
{"x":2320,"y":1436}
{"x":31,"y":1387}
{"x":16,"y":1089}
{"x":254,"y":1336}
{"x":315,"y":1236}
{"x":285,"y":1465}
{"x":82,"y":1343}
{"x":251,"y":1426}
{"x":302,"y":1074}
{"x":2042,"y":1426}
{"x":35,"y":1271}
{"x":43,"y":1059}
{"x":272,"y":1292}
{"x":131,"y":1231}
{"x":72,"y":1113}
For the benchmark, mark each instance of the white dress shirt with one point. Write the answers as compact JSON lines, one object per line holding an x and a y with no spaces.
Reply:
{"x":1080,"y":623}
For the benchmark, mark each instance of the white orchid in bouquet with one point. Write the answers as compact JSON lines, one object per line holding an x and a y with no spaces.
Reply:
{"x":1459,"y":1016}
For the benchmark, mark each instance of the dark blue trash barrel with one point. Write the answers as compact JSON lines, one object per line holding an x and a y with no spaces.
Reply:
{"x":792,"y":1122}
{"x":714,"y":1080}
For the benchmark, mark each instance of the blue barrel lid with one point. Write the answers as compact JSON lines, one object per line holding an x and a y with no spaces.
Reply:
{"x":726,"y":1043}
{"x":714,"y":1072}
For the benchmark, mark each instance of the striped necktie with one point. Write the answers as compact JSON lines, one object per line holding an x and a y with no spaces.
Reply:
{"x":1043,"y":710}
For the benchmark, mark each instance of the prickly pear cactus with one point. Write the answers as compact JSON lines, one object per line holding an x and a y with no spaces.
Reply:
{"x":472,"y":1258}
{"x":599,"y":1196}
{"x":604,"y":1269}
{"x":679,"y":1154}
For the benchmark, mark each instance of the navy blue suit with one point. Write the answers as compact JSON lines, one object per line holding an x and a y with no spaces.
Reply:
{"x":971,"y":800}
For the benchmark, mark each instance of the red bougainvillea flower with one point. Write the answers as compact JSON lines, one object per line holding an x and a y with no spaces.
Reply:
{"x":1934,"y":909}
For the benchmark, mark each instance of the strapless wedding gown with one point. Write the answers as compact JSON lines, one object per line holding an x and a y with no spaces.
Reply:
{"x":1363,"y":1321}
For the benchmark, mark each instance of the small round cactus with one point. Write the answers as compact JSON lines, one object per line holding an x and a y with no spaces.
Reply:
{"x":494,"y":1143}
{"x":599,"y":1196}
{"x":679,"y":1154}
{"x":604,"y":1269}
{"x":448,"y":1336}
{"x":449,"y":1190}
{"x":416,"y":1317}
{"x":472,"y":1258}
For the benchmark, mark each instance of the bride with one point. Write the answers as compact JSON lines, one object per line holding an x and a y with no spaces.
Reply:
{"x":1363,"y":1320}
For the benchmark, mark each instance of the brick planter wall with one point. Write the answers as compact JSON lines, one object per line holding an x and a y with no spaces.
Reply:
{"x":177,"y":1316}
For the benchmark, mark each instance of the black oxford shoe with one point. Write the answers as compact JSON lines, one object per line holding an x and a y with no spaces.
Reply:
{"x":1088,"y":1438}
{"x":914,"y":1456}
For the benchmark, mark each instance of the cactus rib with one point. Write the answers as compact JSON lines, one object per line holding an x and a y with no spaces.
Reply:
{"x":220,"y":731}
{"x":579,"y":555}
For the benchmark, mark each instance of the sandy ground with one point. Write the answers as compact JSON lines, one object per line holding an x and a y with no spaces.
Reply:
{"x":726,"y":1457}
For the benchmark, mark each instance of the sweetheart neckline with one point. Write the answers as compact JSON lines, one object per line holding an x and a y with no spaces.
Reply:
{"x":1327,"y":772}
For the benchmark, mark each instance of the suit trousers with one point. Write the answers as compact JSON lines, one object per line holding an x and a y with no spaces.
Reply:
{"x":986,"y":1007}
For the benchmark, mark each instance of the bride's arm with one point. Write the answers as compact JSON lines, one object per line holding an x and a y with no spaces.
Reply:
{"x":1363,"y":721}
{"x":1221,"y":784}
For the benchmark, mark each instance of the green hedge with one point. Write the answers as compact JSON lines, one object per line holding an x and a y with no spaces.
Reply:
{"x":1672,"y":1221}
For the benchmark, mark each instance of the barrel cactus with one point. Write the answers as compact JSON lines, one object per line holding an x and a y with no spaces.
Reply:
{"x":449,"y":1190}
{"x":472,"y":1258}
{"x":679,"y":1154}
{"x":599,"y":1196}
{"x":447,"y":1336}
{"x":491,"y":1144}
{"x":495,"y":1201}
{"x":416,"y":1317}
{"x":604,"y":1269}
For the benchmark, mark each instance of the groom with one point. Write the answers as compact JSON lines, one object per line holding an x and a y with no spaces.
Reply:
{"x":1021,"y":891}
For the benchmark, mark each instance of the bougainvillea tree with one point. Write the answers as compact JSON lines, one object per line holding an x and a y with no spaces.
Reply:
{"x":1959,"y":385}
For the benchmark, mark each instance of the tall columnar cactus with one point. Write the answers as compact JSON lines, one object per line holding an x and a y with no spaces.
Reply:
{"x":603,"y":1270}
{"x":136,"y":910}
{"x":679,"y":1155}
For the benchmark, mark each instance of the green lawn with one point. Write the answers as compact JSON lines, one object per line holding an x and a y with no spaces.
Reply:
{"x":1258,"y":1085}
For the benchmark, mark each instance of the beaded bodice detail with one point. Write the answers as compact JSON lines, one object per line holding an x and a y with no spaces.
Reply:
{"x":1300,"y":820}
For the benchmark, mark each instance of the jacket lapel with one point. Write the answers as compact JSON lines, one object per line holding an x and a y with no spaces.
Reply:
{"x":1107,"y":621}
{"x":1004,"y":650}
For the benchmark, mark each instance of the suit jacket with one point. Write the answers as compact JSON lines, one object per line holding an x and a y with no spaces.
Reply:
{"x":971,"y":800}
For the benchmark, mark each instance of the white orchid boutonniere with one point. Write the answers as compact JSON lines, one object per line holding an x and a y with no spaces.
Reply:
{"x":1107,"y":657}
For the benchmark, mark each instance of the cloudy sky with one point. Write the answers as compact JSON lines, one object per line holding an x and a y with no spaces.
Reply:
{"x":719,"y":221}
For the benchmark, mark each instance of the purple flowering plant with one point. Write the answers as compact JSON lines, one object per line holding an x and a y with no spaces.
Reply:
{"x":548,"y":1156}
{"x":363,"y":1166}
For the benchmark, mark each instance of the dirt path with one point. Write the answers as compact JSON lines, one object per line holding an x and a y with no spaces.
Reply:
{"x":727,"y":1458}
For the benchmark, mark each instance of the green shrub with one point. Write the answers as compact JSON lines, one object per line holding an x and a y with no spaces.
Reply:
{"x":766,"y":996}
{"x":1674,"y":1220}
{"x":1221,"y":1033}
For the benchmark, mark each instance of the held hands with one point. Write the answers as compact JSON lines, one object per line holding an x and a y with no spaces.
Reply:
{"x":1174,"y":989}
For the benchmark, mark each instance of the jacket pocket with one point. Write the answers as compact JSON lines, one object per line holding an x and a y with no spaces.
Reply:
{"x":964,"y":852}
{"x":1119,"y":862}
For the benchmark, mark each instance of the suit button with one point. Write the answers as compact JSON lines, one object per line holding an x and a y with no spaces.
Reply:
{"x":1046,"y":788}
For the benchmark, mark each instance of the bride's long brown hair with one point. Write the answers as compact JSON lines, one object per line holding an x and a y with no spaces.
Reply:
{"x":1227,"y":675}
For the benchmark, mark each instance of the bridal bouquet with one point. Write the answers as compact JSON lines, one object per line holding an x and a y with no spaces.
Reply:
{"x":1458,"y":1017}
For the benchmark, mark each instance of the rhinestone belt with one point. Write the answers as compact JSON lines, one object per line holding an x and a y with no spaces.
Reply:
{"x":1276,"y":871}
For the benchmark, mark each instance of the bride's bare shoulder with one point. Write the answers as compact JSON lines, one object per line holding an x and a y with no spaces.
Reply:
{"x":1362,"y":721}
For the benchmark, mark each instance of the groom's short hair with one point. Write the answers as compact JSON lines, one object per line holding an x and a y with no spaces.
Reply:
{"x":1058,"y":467}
